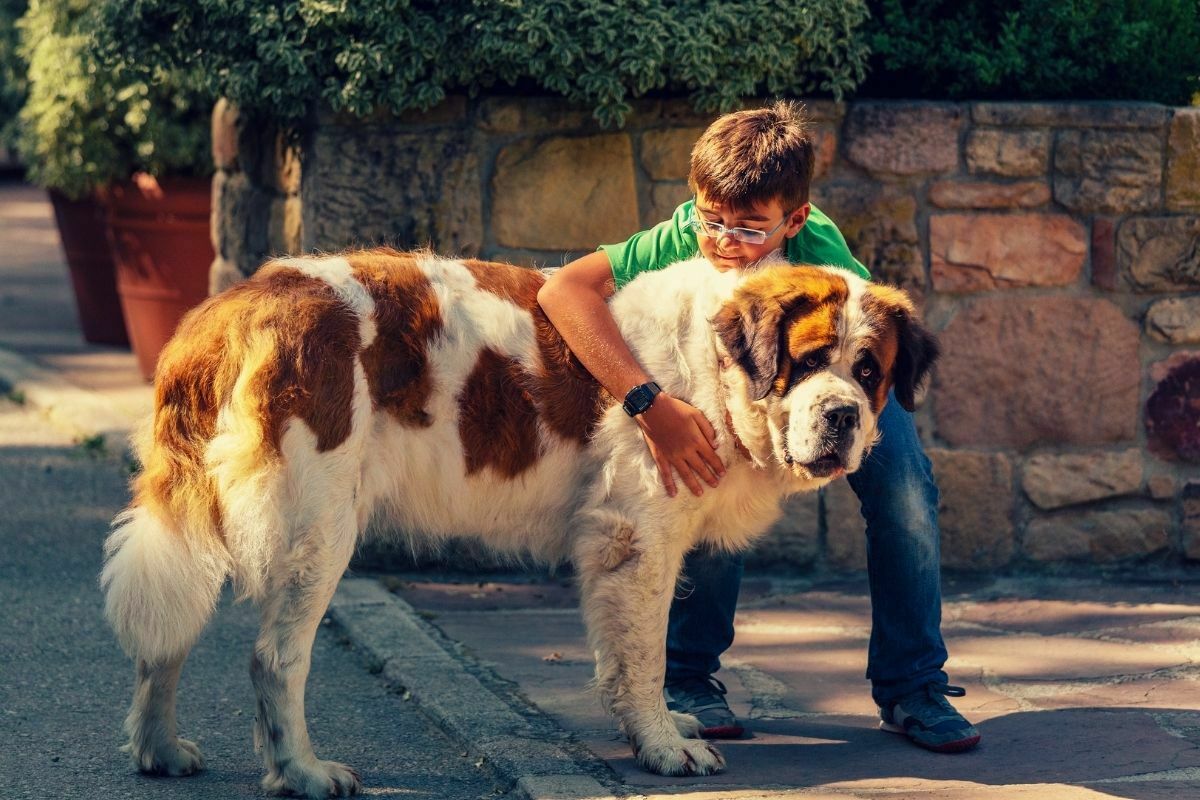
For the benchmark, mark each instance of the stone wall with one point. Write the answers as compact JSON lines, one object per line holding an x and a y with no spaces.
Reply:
{"x":1055,"y":247}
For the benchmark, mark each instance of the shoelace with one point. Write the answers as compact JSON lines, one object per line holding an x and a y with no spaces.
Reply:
{"x":709,"y":684}
{"x":931,"y":699}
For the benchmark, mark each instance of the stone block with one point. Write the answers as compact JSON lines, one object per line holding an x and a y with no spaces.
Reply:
{"x":1175,"y":320}
{"x":879,"y":223}
{"x":1054,"y":481}
{"x":1173,"y":409}
{"x":666,"y":154}
{"x":825,"y":143}
{"x":1191,"y":521}
{"x":1019,"y":371}
{"x":1183,"y":161}
{"x":845,"y":529}
{"x":526,"y":115}
{"x":1101,"y":537}
{"x":1104,"y":253}
{"x":664,"y":199}
{"x":241,"y":222}
{"x":225,"y":135}
{"x":1012,"y":153}
{"x":286,"y":225}
{"x":1071,"y":115}
{"x":285,"y":170}
{"x":975,"y":511}
{"x":979,"y":252}
{"x":1159,"y":254}
{"x":981,"y":194}
{"x":903,"y":138}
{"x":1161,"y":487}
{"x":564,"y":193}
{"x":223,"y":274}
{"x":372,"y":185}
{"x":1112,"y":172}
{"x":795,"y":540}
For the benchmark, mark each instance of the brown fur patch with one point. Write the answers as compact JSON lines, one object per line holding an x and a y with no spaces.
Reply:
{"x":568,"y":398}
{"x":407,"y":318}
{"x":299,"y":342}
{"x":497,"y":420}
{"x":885,"y":306}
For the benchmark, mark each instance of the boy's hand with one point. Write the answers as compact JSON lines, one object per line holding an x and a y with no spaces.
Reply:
{"x":680,"y":437}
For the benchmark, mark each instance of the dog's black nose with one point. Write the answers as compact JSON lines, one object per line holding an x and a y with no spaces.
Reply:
{"x":843,"y":418}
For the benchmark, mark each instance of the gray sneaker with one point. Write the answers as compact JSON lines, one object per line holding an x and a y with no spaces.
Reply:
{"x":704,"y":699}
{"x":927,"y":718}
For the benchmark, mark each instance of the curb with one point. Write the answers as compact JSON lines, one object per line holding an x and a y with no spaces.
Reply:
{"x":83,"y":412}
{"x":409,"y":654}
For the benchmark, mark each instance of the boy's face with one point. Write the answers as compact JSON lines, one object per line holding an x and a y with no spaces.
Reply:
{"x":725,"y":252}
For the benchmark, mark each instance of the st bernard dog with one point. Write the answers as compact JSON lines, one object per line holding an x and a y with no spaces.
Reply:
{"x":432,"y":395}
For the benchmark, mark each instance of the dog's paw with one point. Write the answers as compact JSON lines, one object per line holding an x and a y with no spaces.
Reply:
{"x":314,"y":779}
{"x":176,"y":758}
{"x":682,"y":758}
{"x":688,"y":726}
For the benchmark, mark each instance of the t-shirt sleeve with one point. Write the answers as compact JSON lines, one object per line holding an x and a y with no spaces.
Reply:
{"x":667,"y":242}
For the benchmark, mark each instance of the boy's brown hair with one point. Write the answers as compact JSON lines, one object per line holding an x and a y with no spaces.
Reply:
{"x":755,"y":156}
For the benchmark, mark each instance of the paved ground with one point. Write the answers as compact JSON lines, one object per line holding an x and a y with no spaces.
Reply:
{"x":1082,"y":689}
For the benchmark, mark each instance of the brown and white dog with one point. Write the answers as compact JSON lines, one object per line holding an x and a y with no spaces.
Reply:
{"x":434,"y":395}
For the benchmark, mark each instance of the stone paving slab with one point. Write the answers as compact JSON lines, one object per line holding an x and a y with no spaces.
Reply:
{"x":1070,"y":705}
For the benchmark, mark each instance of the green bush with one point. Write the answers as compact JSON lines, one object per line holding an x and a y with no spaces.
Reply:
{"x":87,"y":123}
{"x":283,"y":58}
{"x":1033,"y":49}
{"x":12,"y":72}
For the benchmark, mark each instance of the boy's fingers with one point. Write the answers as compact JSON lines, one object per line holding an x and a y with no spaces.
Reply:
{"x":689,"y":477}
{"x":706,"y":428}
{"x":700,"y":466}
{"x":664,"y":471}
{"x":712,"y":463}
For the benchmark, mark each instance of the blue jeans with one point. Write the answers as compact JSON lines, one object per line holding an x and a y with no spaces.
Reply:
{"x":899,"y":501}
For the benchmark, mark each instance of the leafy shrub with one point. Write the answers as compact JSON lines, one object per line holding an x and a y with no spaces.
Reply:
{"x":1032,"y":49}
{"x":12,"y":72}
{"x":87,"y":123}
{"x":281,"y":58}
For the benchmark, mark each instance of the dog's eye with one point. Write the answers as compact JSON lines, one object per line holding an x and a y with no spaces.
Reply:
{"x":864,"y":372}
{"x":812,"y":362}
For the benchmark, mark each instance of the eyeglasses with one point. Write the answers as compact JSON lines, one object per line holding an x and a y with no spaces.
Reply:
{"x":715,"y":230}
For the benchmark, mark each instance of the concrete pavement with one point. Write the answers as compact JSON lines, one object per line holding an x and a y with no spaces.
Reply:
{"x":1082,"y":688}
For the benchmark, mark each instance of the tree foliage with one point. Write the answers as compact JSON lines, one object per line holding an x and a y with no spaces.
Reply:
{"x":1032,"y":49}
{"x":283,"y":58}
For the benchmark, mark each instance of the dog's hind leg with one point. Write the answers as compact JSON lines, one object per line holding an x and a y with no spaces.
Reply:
{"x":161,"y":585}
{"x":301,"y":583}
{"x":627,"y":580}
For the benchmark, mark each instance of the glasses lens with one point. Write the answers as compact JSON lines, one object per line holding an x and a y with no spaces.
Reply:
{"x":748,"y":235}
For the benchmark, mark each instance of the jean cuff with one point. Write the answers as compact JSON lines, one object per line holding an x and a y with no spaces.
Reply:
{"x":893,"y":690}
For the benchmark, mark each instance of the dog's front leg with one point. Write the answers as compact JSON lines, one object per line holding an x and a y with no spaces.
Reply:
{"x":627,"y":580}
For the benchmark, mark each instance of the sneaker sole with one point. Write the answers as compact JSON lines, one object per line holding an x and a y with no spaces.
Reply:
{"x":958,"y":746}
{"x":723,"y":732}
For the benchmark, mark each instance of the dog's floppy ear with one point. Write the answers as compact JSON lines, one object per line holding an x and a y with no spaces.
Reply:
{"x":917,"y":349}
{"x":918,"y":352}
{"x":749,"y":329}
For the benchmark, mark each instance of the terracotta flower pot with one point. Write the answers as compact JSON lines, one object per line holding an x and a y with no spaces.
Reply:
{"x":84,"y":232}
{"x":159,"y":234}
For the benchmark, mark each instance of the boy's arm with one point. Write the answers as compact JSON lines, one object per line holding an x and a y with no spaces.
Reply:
{"x":678,"y":435}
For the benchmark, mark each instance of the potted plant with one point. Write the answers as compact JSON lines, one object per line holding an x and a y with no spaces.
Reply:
{"x":93,"y":131}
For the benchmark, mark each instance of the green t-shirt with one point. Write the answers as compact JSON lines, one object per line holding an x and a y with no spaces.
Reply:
{"x":818,"y":242}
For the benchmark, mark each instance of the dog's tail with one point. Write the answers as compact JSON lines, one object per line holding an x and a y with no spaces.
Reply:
{"x":160,"y":584}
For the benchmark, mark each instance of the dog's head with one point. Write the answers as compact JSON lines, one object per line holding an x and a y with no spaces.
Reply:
{"x":816,"y":351}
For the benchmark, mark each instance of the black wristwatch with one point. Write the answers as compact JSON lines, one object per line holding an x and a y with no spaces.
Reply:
{"x":640,"y":398}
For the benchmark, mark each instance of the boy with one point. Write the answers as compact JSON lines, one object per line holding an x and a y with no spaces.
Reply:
{"x":750,"y":172}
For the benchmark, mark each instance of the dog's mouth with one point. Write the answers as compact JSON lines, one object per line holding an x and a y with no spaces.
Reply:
{"x":824,"y":466}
